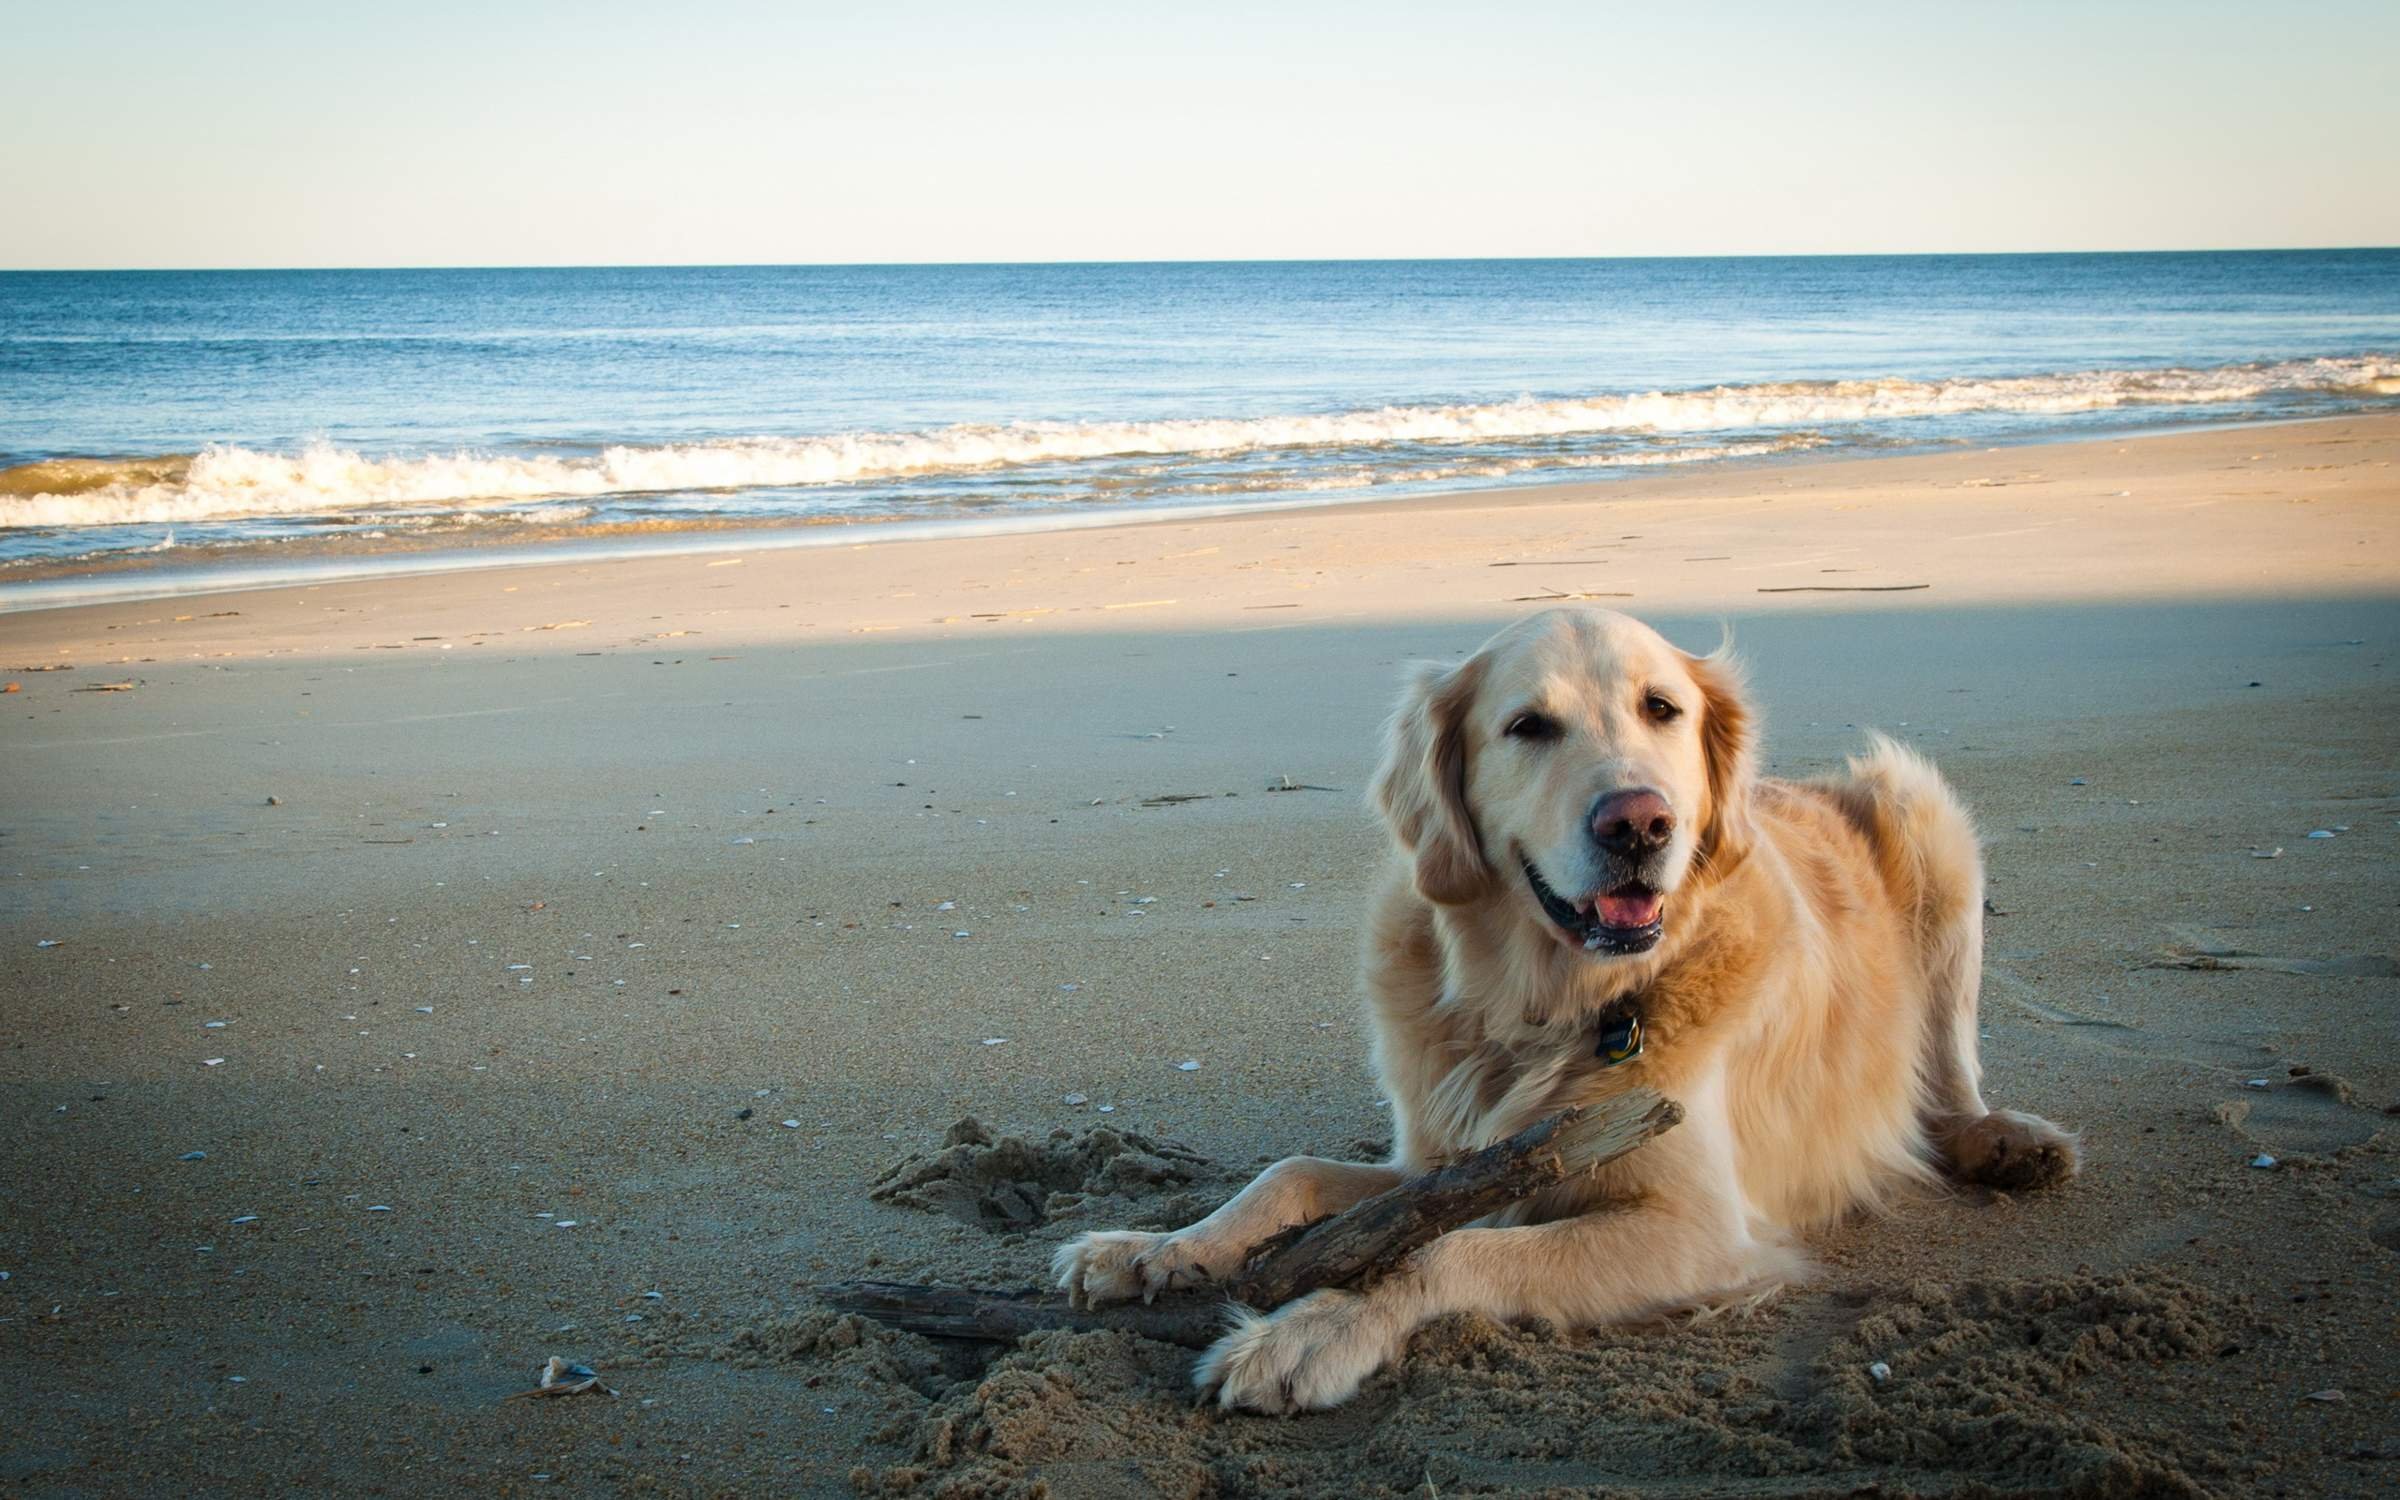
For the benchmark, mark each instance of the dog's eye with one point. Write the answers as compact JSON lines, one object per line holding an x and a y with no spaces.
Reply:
{"x":1530,"y":725}
{"x":1661,"y":710}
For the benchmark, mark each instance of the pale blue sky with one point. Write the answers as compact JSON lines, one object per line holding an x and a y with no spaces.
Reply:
{"x":252,"y":133}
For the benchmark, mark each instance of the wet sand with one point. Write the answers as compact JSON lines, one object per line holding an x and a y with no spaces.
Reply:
{"x":714,"y":807}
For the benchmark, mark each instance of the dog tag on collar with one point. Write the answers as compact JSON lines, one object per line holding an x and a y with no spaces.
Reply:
{"x":1620,"y":1039}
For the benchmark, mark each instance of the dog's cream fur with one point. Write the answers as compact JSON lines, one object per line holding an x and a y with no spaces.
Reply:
{"x":1811,"y":1003}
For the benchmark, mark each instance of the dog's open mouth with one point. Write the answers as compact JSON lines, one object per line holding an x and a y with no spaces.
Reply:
{"x":1626,"y":918}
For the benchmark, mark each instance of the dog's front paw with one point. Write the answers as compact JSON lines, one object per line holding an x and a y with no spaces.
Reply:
{"x":1309,"y":1355}
{"x":2013,"y":1151}
{"x":1118,"y":1265}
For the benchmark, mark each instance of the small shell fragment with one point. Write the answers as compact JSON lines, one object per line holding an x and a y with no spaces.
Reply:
{"x":559,"y":1378}
{"x":2262,"y":1161}
{"x":1880,"y":1371}
{"x":1188,"y":1065}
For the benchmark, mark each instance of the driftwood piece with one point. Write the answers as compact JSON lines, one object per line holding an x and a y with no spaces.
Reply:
{"x":1351,"y":1248}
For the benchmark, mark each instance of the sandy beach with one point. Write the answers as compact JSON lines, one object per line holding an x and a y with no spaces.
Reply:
{"x":410,"y":980}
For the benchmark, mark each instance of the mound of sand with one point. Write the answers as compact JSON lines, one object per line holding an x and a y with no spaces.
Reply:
{"x":1988,"y":1389}
{"x":1008,"y":1183}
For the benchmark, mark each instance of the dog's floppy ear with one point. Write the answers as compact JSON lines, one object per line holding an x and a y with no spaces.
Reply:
{"x":1422,"y":788}
{"x":1728,"y":739}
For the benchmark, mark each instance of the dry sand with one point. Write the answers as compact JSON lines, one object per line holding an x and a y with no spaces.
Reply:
{"x":807,"y":854}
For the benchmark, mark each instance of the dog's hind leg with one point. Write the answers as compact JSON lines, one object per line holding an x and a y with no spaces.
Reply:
{"x":1929,"y":853}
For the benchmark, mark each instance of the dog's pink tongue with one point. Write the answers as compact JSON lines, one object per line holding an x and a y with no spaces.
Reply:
{"x":1628,"y":911}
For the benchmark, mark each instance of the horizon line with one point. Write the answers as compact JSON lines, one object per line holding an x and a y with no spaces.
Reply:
{"x":1260,"y":260}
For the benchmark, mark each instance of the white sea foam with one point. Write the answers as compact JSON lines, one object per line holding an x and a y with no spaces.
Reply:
{"x":222,"y":483}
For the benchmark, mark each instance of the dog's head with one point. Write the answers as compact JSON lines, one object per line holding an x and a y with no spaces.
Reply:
{"x":1578,"y":771}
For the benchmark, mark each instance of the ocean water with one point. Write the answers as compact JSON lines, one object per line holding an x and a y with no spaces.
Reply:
{"x":200,"y":415}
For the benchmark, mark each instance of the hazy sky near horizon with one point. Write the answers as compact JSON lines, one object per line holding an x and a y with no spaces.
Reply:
{"x":255,"y":133}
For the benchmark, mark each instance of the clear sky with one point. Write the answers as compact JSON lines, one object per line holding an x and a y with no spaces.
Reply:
{"x":252,"y":133}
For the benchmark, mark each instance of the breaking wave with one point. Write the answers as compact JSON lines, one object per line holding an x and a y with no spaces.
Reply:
{"x":230,"y":483}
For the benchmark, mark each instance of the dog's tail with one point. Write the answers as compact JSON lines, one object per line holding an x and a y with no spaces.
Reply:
{"x":1931,"y":861}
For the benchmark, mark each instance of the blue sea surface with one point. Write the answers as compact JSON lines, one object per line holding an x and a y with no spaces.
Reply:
{"x":147,"y":411}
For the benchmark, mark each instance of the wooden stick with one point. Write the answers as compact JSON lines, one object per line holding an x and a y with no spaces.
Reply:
{"x":1352,"y":1248}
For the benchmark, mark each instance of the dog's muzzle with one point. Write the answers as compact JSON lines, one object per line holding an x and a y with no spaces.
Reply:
{"x":1629,"y":917}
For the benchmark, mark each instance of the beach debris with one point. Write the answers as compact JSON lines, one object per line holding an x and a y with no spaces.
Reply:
{"x":1188,"y":1065}
{"x":1347,"y":1248}
{"x":274,"y":801}
{"x":1077,"y":1100}
{"x":1847,"y":588}
{"x":2329,"y":1397}
{"x":2263,"y":1162}
{"x":211,"y":1062}
{"x":559,"y":1377}
{"x":1285,"y":783}
{"x":2274,"y":853}
{"x":107,"y":687}
{"x":2214,"y":957}
{"x":49,"y":942}
{"x":1879,"y":1371}
{"x":1006,"y":1183}
{"x":2320,"y":833}
{"x":1172,"y":799}
{"x":12,"y":687}
{"x":2256,"y":1083}
{"x":791,"y":1124}
{"x":245,"y":1219}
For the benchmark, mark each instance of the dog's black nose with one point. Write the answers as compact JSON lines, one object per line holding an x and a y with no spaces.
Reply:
{"x":1632,"y":823}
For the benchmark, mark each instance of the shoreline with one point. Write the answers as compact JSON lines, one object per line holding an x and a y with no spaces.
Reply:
{"x":120,"y":578}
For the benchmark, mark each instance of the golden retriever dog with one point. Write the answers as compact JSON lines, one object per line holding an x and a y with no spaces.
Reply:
{"x":1593,"y":889}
